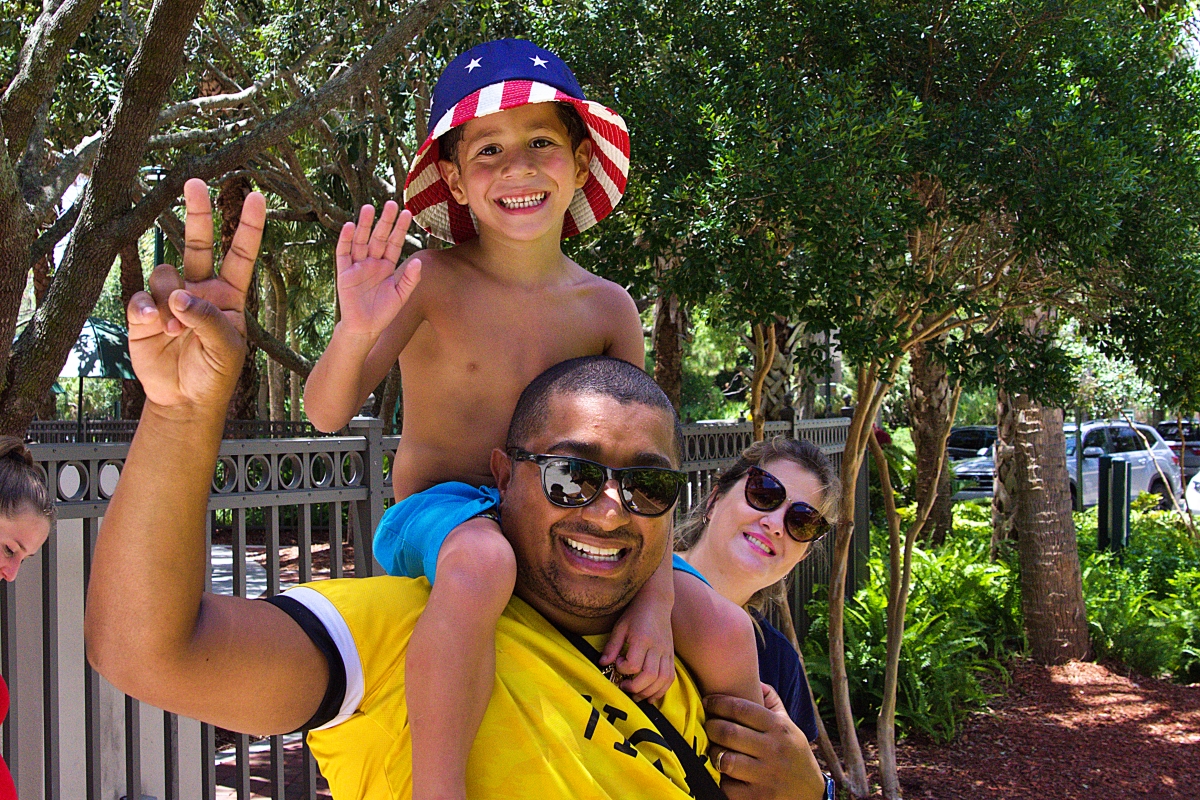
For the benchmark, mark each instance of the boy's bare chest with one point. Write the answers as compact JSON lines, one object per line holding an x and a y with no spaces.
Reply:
{"x":518,"y":337}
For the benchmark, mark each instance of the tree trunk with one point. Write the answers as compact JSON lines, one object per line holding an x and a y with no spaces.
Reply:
{"x":277,"y":323}
{"x":102,"y":226}
{"x":231,"y":195}
{"x":389,"y":406}
{"x":778,"y":397}
{"x":929,"y":413}
{"x":670,"y":323}
{"x":764,"y":348}
{"x":295,"y":382}
{"x":1051,"y":589}
{"x":133,"y":397}
{"x":41,"y":279}
{"x":48,"y":407}
{"x":1004,"y":482}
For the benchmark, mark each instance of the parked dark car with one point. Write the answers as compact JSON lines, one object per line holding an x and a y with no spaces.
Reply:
{"x":967,"y":441}
{"x":1187,"y":447}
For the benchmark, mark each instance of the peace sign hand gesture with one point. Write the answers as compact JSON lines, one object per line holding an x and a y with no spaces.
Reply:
{"x":187,"y":336}
{"x":371,"y":290}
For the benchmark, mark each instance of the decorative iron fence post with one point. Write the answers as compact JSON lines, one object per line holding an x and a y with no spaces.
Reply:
{"x":368,"y":511}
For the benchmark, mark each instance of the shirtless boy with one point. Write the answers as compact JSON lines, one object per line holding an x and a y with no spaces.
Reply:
{"x":516,"y":160}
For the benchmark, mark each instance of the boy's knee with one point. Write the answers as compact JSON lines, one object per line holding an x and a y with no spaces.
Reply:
{"x":476,"y":553}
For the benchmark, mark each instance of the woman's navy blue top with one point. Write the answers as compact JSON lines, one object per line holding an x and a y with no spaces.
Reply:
{"x":779,"y":666}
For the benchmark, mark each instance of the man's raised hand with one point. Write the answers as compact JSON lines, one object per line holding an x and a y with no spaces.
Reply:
{"x":187,"y":334}
{"x":371,"y":290}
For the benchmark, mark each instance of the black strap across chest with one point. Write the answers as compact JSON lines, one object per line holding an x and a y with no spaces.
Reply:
{"x":698,"y":778}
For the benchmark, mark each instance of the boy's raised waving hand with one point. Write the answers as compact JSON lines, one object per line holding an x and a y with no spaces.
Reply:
{"x":371,"y":290}
{"x":151,"y":630}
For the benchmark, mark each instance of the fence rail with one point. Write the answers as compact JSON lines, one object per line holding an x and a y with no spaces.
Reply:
{"x":281,"y":512}
{"x":62,"y":431}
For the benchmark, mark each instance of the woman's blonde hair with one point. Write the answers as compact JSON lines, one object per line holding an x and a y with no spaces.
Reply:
{"x":771,"y":601}
{"x":21,"y":485}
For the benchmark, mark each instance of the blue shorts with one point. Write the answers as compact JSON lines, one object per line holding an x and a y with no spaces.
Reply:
{"x":411,"y":533}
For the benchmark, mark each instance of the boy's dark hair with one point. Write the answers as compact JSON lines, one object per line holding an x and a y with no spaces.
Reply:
{"x":21,"y":485}
{"x":576,"y":130}
{"x":602,"y":375}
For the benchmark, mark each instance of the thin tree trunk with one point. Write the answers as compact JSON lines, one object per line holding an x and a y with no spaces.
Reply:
{"x":870,"y":397}
{"x":48,"y":407}
{"x":277,"y":324}
{"x":390,"y":408}
{"x":764,"y":356}
{"x":1051,"y":588}
{"x":244,"y":404}
{"x":929,"y":413}
{"x":1005,"y":480}
{"x":778,"y":391}
{"x":296,"y":382}
{"x":899,"y":582}
{"x":133,"y":397}
{"x":41,"y":279}
{"x":669,"y":327}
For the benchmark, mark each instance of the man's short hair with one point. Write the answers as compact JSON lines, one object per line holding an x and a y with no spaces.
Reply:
{"x":567,"y":115}
{"x":601,"y":375}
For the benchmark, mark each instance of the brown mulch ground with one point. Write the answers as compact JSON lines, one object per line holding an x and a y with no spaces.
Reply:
{"x":1075,"y":731}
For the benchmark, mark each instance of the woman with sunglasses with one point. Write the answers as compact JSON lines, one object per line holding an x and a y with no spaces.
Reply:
{"x":760,"y":520}
{"x":26,"y":513}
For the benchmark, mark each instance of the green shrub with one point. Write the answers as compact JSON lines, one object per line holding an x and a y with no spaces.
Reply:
{"x":962,"y":621}
{"x":1144,"y":606}
{"x":1125,"y":620}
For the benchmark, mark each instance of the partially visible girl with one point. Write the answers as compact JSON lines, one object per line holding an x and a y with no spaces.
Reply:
{"x":26,"y":513}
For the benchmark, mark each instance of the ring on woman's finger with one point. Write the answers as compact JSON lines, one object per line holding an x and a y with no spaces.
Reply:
{"x":720,"y":758}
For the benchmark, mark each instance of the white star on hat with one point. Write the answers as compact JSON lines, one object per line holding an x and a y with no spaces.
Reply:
{"x":474,"y":65}
{"x":538,"y":62}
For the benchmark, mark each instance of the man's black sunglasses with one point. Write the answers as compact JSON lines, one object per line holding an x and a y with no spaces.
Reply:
{"x":571,"y":482}
{"x":765,"y":492}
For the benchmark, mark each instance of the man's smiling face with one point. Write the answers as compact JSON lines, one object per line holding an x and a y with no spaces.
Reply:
{"x":580,"y":567}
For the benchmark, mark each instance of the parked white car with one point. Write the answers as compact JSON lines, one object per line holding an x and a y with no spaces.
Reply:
{"x":1152,"y":469}
{"x":1192,"y":496}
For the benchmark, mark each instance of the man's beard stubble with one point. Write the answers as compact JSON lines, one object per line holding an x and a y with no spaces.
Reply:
{"x":547,"y":582}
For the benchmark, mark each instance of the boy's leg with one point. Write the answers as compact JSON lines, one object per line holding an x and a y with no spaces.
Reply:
{"x":716,"y":639}
{"x":451,"y":662}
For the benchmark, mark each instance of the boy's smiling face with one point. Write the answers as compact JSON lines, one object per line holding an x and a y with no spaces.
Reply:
{"x":516,"y":171}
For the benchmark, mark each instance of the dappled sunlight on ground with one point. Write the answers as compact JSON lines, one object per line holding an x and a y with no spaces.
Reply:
{"x":1078,"y":731}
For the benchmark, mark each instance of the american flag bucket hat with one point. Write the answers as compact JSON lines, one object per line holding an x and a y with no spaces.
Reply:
{"x":497,"y":76}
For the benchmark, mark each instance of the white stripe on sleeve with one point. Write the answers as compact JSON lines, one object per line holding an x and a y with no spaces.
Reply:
{"x":335,"y":625}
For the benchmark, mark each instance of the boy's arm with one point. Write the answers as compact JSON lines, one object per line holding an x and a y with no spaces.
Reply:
{"x":377,"y":316}
{"x":642,"y":641}
{"x":150,"y":628}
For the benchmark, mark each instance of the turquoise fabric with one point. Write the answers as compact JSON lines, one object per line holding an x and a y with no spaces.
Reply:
{"x":678,"y":563}
{"x":411,"y":533}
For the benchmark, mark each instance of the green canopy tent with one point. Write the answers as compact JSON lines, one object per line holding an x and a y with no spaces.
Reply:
{"x":102,"y":351}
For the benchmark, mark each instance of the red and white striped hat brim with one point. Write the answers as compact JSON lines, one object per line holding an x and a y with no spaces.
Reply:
{"x":427,"y":196}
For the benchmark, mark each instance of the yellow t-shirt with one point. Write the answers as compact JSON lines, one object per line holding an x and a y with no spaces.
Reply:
{"x":555,"y":727}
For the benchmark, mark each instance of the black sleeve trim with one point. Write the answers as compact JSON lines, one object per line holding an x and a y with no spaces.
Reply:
{"x":335,"y":692}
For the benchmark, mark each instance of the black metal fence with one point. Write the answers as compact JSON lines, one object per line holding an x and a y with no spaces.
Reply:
{"x":282,"y":512}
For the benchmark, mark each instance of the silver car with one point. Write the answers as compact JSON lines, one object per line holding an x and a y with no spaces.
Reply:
{"x":1152,"y":465}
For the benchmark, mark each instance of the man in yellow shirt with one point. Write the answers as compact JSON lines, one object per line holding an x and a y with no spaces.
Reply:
{"x":590,"y":453}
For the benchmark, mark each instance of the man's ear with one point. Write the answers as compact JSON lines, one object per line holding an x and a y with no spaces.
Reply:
{"x":501,"y":466}
{"x":453,"y":178}
{"x":583,"y":158}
